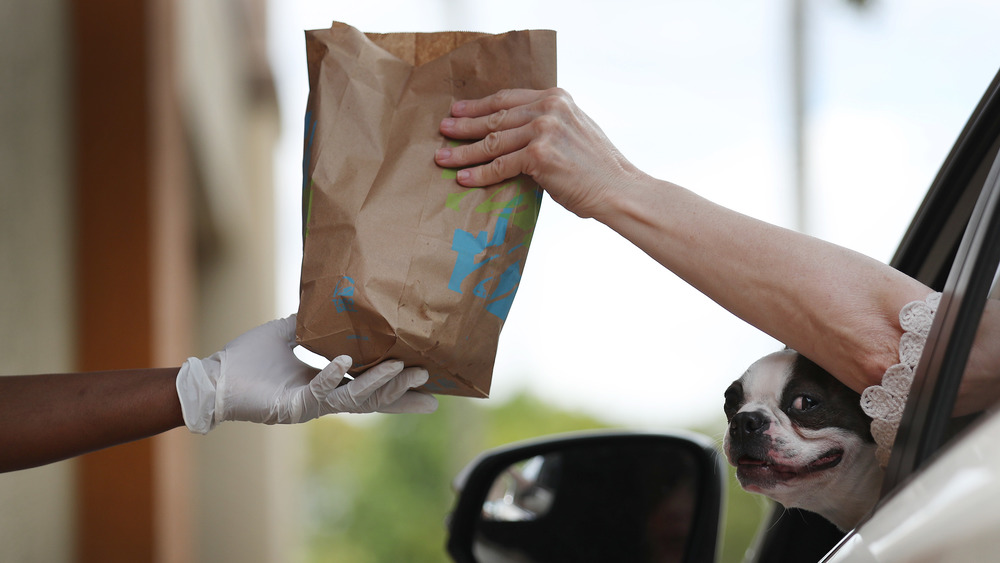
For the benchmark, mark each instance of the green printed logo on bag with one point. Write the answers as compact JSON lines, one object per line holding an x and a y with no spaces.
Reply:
{"x":476,"y":251}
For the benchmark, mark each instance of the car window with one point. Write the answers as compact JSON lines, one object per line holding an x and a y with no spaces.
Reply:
{"x":980,"y":387}
{"x":945,"y":378}
{"x":930,"y":245}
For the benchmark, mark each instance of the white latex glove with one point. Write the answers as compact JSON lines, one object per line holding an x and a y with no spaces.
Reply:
{"x":257,"y":378}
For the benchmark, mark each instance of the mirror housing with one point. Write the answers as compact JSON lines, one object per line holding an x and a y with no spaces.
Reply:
{"x":597,"y":496}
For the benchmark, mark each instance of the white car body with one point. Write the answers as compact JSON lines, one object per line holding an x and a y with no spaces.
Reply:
{"x":950,"y":511}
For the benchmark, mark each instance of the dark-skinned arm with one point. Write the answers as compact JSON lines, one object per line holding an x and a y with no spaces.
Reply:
{"x":47,"y":418}
{"x":255,"y":378}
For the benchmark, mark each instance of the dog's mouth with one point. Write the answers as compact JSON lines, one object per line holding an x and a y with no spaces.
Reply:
{"x":751,"y":470}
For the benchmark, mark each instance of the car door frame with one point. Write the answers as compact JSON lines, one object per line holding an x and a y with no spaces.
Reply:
{"x":968,"y":279}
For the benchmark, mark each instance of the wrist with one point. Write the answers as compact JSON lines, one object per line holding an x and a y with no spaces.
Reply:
{"x":639,"y":199}
{"x":197,"y":392}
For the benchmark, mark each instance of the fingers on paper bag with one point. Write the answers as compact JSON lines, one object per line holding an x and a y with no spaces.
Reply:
{"x":330,"y":377}
{"x":398,"y":396}
{"x":502,"y":99}
{"x":366,"y":384}
{"x":394,"y":389}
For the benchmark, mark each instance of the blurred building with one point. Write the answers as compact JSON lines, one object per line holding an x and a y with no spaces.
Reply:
{"x":136,"y":229}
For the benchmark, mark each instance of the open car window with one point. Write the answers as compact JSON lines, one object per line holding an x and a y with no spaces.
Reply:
{"x":950,"y":390}
{"x":931,"y":243}
{"x":928,"y":252}
{"x":979,"y":391}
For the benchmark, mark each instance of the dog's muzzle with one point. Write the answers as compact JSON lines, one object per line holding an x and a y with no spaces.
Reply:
{"x":746,"y":425}
{"x":747,"y":434}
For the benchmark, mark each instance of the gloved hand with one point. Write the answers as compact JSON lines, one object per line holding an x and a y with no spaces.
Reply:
{"x":257,"y":378}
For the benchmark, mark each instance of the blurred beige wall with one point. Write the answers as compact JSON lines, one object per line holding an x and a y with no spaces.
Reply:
{"x":36,"y":307}
{"x":246,"y":473}
{"x":244,"y":503}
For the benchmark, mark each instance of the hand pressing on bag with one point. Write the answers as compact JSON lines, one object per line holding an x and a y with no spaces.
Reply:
{"x":541,"y":133}
{"x":258,"y":378}
{"x":834,"y":306}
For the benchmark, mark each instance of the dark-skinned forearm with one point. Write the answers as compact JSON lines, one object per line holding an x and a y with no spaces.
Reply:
{"x":47,"y":418}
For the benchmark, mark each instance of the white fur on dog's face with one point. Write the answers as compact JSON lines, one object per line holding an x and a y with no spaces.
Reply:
{"x":799,"y":437}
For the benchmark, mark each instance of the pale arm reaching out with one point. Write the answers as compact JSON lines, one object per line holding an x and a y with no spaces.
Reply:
{"x":835,"y":306}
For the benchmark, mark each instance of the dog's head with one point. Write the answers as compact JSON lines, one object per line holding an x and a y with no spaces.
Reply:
{"x":799,"y":436}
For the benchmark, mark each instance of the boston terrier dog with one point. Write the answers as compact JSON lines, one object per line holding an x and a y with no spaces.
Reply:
{"x":799,"y":436}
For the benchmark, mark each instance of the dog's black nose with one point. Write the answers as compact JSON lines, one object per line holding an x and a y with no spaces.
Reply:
{"x":746,"y":424}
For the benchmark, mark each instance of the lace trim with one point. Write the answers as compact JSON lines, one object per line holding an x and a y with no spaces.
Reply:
{"x":884,"y":403}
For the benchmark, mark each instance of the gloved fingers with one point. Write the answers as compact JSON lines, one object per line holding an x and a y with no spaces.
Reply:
{"x":393,"y":390}
{"x":413,"y":402}
{"x":329,"y":378}
{"x":358,"y":391}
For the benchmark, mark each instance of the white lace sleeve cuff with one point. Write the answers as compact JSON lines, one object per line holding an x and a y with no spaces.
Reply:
{"x":884,"y":403}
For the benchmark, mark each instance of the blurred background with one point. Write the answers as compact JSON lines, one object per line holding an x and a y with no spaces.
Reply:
{"x":150,"y":173}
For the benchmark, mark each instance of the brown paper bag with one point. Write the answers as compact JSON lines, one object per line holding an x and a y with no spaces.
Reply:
{"x":399,"y":260}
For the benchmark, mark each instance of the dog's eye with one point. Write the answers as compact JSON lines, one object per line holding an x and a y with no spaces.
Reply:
{"x":804,"y":403}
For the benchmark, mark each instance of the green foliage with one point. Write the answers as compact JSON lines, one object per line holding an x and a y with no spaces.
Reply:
{"x":378,"y":489}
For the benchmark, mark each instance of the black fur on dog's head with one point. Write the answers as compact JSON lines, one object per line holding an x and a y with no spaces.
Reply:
{"x":799,"y":436}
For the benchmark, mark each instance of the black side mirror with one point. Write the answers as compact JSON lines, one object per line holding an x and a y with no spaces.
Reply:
{"x":591,"y":497}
